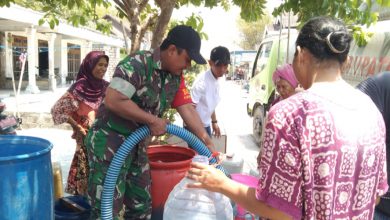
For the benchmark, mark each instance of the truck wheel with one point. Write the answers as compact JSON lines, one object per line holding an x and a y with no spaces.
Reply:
{"x":258,"y":118}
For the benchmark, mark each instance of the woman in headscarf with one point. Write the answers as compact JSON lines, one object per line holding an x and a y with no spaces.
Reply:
{"x":78,"y":107}
{"x":285,"y":82}
{"x":323,"y":155}
{"x":286,"y":85}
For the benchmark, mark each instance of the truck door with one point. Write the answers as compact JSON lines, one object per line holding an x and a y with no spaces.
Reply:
{"x":257,"y":88}
{"x":258,"y":92}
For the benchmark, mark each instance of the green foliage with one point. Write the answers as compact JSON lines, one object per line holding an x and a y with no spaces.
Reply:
{"x":85,"y":12}
{"x":6,"y":3}
{"x":347,"y":10}
{"x":353,"y":12}
{"x":206,"y":3}
{"x":251,"y":10}
{"x":122,"y":53}
{"x":76,"y":12}
{"x":149,"y":10}
{"x":252,"y":32}
{"x":361,"y":37}
{"x":195,"y":21}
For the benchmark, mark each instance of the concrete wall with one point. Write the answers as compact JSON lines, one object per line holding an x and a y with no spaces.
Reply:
{"x":114,"y":54}
{"x":57,"y":54}
{"x":60,"y":56}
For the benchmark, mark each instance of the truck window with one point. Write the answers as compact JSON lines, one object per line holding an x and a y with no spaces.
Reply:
{"x":283,"y":51}
{"x":262,"y":57}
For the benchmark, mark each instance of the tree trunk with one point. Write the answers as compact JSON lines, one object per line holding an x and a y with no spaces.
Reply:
{"x":134,"y":36}
{"x":135,"y":44}
{"x":167,"y":7}
{"x":125,"y":38}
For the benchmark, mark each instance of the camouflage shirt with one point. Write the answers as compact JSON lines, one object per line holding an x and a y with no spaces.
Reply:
{"x":141,"y":79}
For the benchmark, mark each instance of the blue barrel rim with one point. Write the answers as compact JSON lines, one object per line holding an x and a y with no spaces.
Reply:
{"x":27,"y":140}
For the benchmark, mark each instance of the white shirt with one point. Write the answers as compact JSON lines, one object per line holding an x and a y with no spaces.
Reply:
{"x":205,"y":95}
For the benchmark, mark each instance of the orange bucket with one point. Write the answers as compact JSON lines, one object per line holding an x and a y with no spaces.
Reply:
{"x":168,"y":165}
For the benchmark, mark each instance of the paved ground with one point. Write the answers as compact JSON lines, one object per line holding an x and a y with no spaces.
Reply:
{"x":41,"y":102}
{"x":231,"y":113}
{"x":237,"y":125}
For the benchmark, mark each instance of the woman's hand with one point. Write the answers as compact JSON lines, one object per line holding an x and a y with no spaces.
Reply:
{"x":207,"y":177}
{"x":82,"y":130}
{"x":77,"y":127}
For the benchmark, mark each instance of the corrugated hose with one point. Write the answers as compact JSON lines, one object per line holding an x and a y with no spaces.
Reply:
{"x":125,"y":149}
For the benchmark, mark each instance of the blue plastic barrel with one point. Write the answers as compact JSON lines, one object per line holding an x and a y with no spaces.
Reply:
{"x":26,"y":178}
{"x":63,"y":212}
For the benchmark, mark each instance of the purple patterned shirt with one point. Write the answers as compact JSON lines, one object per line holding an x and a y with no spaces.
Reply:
{"x":323,"y":154}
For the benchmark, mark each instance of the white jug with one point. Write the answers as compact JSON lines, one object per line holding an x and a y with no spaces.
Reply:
{"x":195,"y":204}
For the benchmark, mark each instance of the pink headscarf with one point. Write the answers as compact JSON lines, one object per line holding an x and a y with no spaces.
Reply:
{"x":285,"y":72}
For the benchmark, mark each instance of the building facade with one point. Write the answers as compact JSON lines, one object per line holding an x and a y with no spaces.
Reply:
{"x":52,"y":56}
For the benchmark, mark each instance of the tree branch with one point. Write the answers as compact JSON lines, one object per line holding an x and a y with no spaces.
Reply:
{"x":162,"y":23}
{"x":142,"y":5}
{"x":120,"y":5}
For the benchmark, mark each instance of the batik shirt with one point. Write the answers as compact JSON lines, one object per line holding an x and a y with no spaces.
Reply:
{"x":141,"y":79}
{"x":68,"y":106}
{"x":323,"y":154}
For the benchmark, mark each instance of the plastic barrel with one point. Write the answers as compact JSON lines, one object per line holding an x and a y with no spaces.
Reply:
{"x":168,"y":165}
{"x":26,"y":186}
{"x":64,"y":212}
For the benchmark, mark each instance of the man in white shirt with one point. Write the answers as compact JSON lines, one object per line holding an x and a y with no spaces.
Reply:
{"x":205,"y":92}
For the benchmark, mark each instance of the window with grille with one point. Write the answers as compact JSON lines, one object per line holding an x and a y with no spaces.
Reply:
{"x":73,"y":61}
{"x":19,"y":45}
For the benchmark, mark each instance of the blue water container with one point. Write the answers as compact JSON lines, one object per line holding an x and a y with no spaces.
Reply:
{"x":26,"y":184}
{"x":64,"y":212}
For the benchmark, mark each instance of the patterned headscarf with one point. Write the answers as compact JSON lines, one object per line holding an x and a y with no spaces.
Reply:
{"x":87,"y":88}
{"x":285,"y":72}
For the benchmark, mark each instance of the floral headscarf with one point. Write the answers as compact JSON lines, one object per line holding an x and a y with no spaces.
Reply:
{"x":87,"y":88}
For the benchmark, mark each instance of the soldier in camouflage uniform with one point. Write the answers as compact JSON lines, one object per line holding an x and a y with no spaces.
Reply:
{"x":142,"y":88}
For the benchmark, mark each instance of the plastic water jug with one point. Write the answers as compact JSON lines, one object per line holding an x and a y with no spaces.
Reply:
{"x":233,"y":164}
{"x":195,"y":204}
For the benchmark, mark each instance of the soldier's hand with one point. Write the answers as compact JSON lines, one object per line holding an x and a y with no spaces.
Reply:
{"x":158,"y":126}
